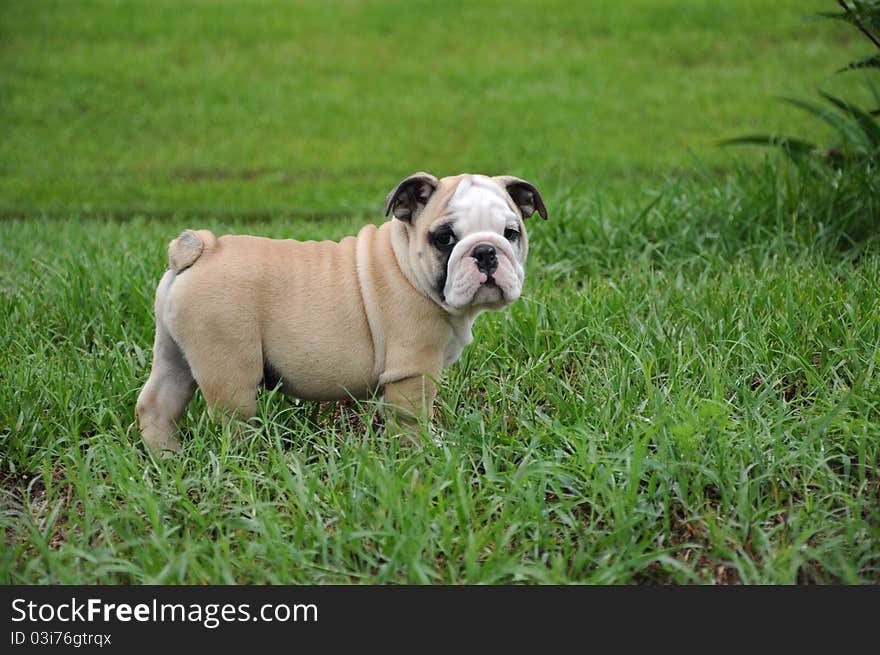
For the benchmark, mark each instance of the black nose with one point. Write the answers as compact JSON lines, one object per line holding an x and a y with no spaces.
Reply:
{"x":487,"y":260}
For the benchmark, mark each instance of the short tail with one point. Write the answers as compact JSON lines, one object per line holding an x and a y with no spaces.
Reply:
{"x":188,"y":247}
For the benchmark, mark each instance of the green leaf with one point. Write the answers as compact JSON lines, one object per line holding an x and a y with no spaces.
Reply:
{"x":874,"y":91}
{"x":865,"y":121}
{"x":834,"y":15}
{"x":871,"y":61}
{"x":869,"y":13}
{"x":866,"y":13}
{"x":845,"y":126}
{"x":795,"y":149}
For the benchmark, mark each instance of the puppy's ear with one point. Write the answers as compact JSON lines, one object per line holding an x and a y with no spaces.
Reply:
{"x":410,"y":196}
{"x":524,"y":195}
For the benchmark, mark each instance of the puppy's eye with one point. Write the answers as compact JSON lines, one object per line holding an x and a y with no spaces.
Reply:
{"x":444,"y":240}
{"x":511,"y":234}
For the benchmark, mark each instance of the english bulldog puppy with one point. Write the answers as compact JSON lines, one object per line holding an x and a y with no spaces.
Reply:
{"x":383,"y":311}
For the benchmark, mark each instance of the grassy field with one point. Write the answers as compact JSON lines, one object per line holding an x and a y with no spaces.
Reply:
{"x":688,"y":392}
{"x":316,"y":107}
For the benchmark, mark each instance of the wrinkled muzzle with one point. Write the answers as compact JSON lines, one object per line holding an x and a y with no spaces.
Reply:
{"x":483,"y":269}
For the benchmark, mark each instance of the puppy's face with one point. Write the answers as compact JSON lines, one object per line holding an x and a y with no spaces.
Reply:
{"x":467,"y":242}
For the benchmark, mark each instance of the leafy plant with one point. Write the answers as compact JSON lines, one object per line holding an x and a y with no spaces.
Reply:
{"x":858,"y":128}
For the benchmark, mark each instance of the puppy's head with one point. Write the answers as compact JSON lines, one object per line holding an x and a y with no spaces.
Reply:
{"x":466,"y":237}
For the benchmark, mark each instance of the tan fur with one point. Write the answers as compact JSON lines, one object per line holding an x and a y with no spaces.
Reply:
{"x":188,"y":247}
{"x":335,"y":320}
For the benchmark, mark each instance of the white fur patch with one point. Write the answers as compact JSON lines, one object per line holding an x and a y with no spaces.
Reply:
{"x":481,"y":204}
{"x":481,"y":213}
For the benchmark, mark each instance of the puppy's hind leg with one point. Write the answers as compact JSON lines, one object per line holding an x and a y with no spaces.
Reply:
{"x":229,"y":371}
{"x":169,"y":388}
{"x":232,"y":396}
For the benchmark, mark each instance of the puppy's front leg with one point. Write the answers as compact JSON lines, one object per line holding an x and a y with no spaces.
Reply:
{"x":407,"y":402}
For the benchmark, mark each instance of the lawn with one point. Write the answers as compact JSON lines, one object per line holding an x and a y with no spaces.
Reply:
{"x":686,"y":393}
{"x":314,"y":107}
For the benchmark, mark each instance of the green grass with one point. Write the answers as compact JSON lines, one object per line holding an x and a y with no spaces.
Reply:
{"x":688,"y":391}
{"x":686,"y":394}
{"x":274,"y":107}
